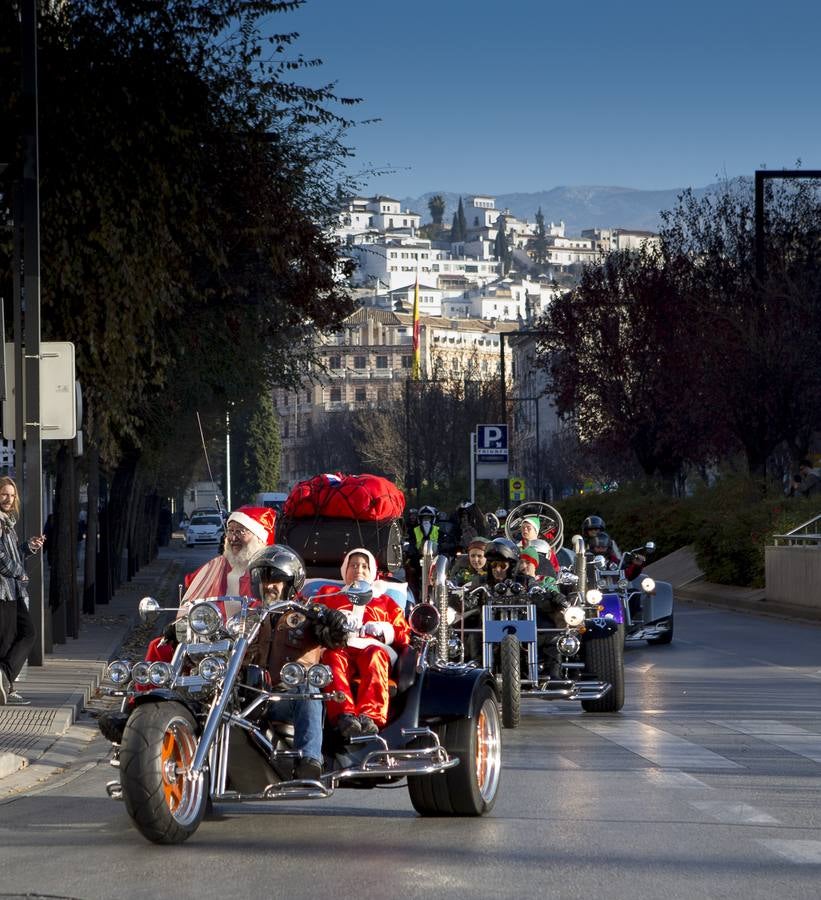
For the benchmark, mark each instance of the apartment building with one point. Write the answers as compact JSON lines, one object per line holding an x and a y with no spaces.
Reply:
{"x":367,"y":363}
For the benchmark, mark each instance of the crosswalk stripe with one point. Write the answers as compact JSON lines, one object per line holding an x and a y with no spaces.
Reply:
{"x":787,"y":737}
{"x":660,"y":747}
{"x":734,"y":813}
{"x":805,"y":852}
{"x":670,"y":779}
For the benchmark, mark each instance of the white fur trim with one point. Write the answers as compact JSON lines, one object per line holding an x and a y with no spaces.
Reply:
{"x":362,"y":552}
{"x":388,"y":634}
{"x":373,"y":642}
{"x":256,"y":528}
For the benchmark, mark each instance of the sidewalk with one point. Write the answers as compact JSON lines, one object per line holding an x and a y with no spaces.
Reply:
{"x":39,"y":740}
{"x":682,"y":571}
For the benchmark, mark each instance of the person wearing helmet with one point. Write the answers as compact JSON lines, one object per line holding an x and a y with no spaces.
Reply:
{"x":277,"y":574}
{"x":369,"y":653}
{"x":501,"y":559}
{"x":591,"y":526}
{"x":529,"y":530}
{"x":427,"y":529}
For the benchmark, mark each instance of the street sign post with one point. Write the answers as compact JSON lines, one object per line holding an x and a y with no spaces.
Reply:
{"x":516,"y":489}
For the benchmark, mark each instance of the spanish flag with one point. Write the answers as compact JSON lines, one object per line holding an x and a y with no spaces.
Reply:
{"x":416,"y":352}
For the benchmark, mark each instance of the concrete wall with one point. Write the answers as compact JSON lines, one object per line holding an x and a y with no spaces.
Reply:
{"x":793,"y":575}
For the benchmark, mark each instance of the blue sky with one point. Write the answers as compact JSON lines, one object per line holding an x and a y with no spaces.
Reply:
{"x":503,"y":96}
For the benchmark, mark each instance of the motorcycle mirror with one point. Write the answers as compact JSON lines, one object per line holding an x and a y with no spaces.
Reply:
{"x":149,"y":610}
{"x":360,"y":593}
{"x":650,"y":546}
{"x":599,"y":561}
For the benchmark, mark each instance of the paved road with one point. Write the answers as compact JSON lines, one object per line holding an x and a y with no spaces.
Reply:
{"x":708,"y":784}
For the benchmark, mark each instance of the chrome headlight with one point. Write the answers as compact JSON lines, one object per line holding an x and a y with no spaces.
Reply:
{"x":292,"y":674}
{"x":648,"y":585}
{"x":140,"y":672}
{"x":119,"y":671}
{"x":181,"y":629}
{"x":593,"y":597}
{"x":574,"y":616}
{"x":320,"y":676}
{"x":204,"y":619}
{"x":234,"y":626}
{"x":212,"y":667}
{"x":424,"y":619}
{"x":569,"y":644}
{"x":159,"y":674}
{"x":622,"y":584}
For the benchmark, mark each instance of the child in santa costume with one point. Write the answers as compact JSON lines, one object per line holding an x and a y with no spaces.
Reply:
{"x":369,"y":653}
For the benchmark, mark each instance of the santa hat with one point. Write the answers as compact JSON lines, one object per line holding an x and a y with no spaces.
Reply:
{"x":534,"y":521}
{"x":259,"y":520}
{"x":531,"y":554}
{"x":362,"y":552}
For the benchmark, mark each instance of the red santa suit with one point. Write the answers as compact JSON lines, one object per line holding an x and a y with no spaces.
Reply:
{"x":369,"y":654}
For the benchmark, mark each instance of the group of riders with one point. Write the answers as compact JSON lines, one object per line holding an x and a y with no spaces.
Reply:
{"x":359,"y":639}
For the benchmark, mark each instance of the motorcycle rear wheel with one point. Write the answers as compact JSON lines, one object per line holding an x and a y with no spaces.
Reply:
{"x":605,"y":658}
{"x":158,"y":746}
{"x":470,"y":788}
{"x":510,"y":663}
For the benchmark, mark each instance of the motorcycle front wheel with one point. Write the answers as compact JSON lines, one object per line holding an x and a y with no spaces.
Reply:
{"x":158,"y":746}
{"x":510,"y":664}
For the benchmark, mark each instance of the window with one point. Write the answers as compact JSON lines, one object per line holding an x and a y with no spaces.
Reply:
{"x":359,"y":362}
{"x":335,"y":362}
{"x":307,"y":396}
{"x":359,"y":396}
{"x":381,"y":362}
{"x":406,"y":362}
{"x":285,"y":429}
{"x":336,"y":394}
{"x":382,"y":395}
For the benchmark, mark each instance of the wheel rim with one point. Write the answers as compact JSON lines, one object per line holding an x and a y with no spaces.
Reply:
{"x":488,"y":762}
{"x":183,"y":795}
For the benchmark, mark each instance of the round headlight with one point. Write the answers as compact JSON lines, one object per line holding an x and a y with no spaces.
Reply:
{"x":424,"y":618}
{"x":593,"y":597}
{"x":569,"y":644}
{"x":622,"y":584}
{"x":292,"y":674}
{"x":212,"y":668}
{"x":648,"y":585}
{"x":233,"y":625}
{"x":204,"y":619}
{"x":181,"y":629}
{"x":119,"y":671}
{"x":574,"y":616}
{"x":140,"y":672}
{"x":159,"y":674}
{"x":320,"y":676}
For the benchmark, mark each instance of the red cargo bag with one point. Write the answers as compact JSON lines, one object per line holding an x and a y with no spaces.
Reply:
{"x":364,"y":498}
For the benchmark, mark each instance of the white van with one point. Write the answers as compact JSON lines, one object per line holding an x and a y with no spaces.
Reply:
{"x":273,"y":499}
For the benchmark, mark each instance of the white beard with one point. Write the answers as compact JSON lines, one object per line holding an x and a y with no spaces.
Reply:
{"x":241,"y":559}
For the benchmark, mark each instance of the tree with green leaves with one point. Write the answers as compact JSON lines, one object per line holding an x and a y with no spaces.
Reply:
{"x":501,"y":245}
{"x":436,"y":206}
{"x":259,"y":446}
{"x":538,"y":243}
{"x":459,"y":228}
{"x":186,"y":185}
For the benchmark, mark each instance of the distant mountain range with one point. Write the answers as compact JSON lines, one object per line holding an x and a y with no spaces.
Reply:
{"x":578,"y":207}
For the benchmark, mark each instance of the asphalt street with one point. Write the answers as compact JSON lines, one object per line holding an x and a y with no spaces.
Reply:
{"x":707,"y":784}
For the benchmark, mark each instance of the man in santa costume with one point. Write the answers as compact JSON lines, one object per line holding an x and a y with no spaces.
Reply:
{"x":249,"y":529}
{"x":369,"y":653}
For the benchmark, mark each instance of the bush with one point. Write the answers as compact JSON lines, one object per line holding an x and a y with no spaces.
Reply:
{"x":729,"y":524}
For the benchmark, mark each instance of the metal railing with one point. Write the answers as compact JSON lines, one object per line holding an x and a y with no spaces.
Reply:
{"x":805,"y":535}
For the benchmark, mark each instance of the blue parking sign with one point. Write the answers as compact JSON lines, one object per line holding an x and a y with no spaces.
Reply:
{"x":491,"y":443}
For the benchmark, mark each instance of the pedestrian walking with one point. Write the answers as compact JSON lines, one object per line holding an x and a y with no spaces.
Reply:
{"x":16,"y":627}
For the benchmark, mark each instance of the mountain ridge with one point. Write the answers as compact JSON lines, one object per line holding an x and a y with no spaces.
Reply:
{"x":578,"y":206}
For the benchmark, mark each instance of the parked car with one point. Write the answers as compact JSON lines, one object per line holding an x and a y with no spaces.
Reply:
{"x":204,"y":529}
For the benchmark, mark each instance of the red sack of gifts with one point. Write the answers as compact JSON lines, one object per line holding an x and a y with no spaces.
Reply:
{"x":369,"y":498}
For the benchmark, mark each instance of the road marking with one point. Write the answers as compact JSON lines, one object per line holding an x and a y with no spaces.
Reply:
{"x":787,"y":737}
{"x":804,"y":852}
{"x":671,"y":779}
{"x":639,"y":667}
{"x":734,"y":813}
{"x":660,"y":747}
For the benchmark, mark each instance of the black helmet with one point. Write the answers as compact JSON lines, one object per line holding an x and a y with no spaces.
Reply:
{"x":599,"y":543}
{"x":502,"y":549}
{"x":277,"y":563}
{"x":593,"y":522}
